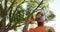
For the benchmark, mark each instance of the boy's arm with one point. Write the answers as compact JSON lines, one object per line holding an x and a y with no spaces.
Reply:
{"x":25,"y":29}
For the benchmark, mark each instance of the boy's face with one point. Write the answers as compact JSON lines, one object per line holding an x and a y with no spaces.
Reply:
{"x":39,"y":18}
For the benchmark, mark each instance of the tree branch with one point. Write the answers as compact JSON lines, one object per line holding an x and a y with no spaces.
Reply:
{"x":28,"y":16}
{"x":20,"y":4}
{"x":11,"y":5}
{"x":14,"y":26}
{"x":5,"y":4}
{"x":10,"y":17}
{"x":15,"y":11}
{"x":36,"y":8}
{"x":1,"y":10}
{"x":10,"y":12}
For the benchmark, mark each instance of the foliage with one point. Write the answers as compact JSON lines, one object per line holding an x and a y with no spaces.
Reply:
{"x":13,"y":10}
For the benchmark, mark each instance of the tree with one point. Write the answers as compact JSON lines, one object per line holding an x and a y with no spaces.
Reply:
{"x":14,"y":12}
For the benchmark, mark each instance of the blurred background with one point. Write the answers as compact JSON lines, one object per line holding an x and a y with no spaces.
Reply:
{"x":14,"y":13}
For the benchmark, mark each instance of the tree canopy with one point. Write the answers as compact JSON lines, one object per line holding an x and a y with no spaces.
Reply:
{"x":14,"y":11}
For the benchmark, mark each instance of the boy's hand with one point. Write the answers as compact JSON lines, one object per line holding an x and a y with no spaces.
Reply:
{"x":30,"y":19}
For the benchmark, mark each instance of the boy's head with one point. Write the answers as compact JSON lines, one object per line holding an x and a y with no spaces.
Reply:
{"x":40,"y":16}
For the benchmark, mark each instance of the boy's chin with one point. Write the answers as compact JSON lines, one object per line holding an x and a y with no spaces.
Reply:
{"x":40,"y":20}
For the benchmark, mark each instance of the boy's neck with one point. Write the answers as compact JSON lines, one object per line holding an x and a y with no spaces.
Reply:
{"x":40,"y":23}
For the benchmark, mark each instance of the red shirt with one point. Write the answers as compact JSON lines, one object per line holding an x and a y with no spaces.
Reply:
{"x":41,"y":29}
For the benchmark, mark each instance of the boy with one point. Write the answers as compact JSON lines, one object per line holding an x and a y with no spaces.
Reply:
{"x":40,"y":21}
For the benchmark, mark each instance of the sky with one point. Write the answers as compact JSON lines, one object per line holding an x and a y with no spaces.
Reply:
{"x":55,"y":7}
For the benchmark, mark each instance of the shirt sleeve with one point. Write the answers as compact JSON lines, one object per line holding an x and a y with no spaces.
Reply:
{"x":31,"y":30}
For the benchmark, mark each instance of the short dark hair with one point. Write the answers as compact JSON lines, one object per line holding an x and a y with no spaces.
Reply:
{"x":40,"y":13}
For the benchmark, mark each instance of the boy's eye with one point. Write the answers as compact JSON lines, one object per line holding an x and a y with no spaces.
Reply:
{"x":38,"y":15}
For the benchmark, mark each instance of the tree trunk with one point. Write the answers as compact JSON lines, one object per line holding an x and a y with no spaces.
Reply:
{"x":6,"y":31}
{"x":2,"y":24}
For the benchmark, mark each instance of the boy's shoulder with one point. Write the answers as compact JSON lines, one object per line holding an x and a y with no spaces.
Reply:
{"x":41,"y":28}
